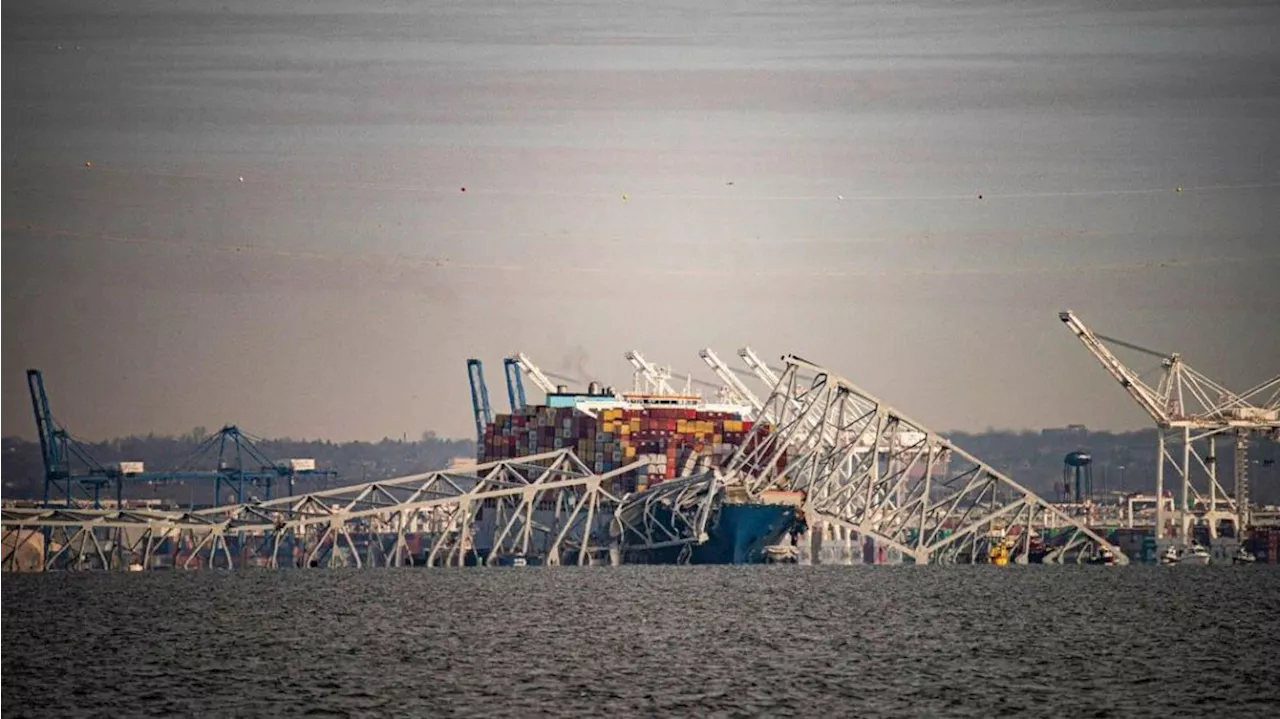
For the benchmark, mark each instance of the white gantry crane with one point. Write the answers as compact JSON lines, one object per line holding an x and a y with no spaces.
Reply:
{"x":535,"y":374}
{"x":736,"y":390}
{"x":1191,"y":412}
{"x":652,"y":379}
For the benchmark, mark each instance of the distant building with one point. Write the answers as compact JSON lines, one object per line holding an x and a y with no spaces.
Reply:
{"x":458,"y":463}
{"x":1071,"y":431}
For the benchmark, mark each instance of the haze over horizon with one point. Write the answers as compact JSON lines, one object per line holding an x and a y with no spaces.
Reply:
{"x":254,"y":213}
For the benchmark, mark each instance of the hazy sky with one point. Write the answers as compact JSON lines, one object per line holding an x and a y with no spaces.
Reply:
{"x":338,"y":288}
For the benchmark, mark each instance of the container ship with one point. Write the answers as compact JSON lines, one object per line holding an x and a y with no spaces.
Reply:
{"x":674,"y":435}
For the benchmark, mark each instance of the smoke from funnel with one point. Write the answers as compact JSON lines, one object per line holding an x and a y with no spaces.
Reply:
{"x":574,"y":365}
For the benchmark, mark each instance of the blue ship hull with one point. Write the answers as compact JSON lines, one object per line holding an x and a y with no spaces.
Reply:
{"x":739,"y":534}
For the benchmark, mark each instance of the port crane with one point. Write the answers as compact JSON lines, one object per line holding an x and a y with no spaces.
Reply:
{"x":73,"y":477}
{"x":649,"y":378}
{"x":1191,"y":410}
{"x":518,"y":365}
{"x":737,"y":389}
{"x":515,"y":384}
{"x":480,"y":406}
{"x":540,"y":379}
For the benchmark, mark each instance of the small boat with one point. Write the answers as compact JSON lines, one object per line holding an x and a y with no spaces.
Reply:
{"x":999,"y":555}
{"x":1103,"y":556}
{"x":519,"y":561}
{"x":781,"y":554}
{"x":136,"y":567}
{"x":1037,"y":551}
{"x":1243,"y":556}
{"x":1170,"y":556}
{"x":1196,"y":554}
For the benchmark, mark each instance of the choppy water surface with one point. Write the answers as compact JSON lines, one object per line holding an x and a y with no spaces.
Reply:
{"x":724,"y":641}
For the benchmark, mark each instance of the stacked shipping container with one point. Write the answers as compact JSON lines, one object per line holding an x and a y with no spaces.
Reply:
{"x":666,"y":438}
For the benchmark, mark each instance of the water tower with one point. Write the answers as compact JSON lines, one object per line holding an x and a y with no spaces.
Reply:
{"x":1077,"y":472}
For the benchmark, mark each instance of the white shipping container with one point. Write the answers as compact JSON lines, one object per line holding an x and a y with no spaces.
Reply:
{"x":302,"y":465}
{"x":131,"y":467}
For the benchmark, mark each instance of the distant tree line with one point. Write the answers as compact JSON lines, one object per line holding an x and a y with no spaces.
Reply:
{"x":1122,"y":462}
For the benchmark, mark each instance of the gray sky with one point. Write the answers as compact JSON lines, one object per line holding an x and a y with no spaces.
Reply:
{"x":338,"y":289}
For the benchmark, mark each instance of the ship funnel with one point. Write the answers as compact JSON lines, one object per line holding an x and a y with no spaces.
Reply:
{"x":593,"y":388}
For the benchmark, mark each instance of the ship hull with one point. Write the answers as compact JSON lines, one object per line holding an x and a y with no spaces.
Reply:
{"x":740,"y":534}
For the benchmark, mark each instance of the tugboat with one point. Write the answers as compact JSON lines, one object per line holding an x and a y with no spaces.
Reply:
{"x":998,"y":554}
{"x":1243,"y":556}
{"x":1036,"y":552}
{"x":1103,"y":556}
{"x":781,"y":554}
{"x":1196,"y":554}
{"x":1170,"y":556}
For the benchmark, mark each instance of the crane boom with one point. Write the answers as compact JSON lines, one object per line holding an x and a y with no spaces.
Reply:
{"x":479,"y":397}
{"x":734,"y":384}
{"x":656,"y":378}
{"x":1146,"y":397}
{"x":756,"y":365}
{"x":44,"y":422}
{"x":539,"y":378}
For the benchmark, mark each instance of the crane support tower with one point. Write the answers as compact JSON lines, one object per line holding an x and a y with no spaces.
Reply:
{"x":1191,"y":413}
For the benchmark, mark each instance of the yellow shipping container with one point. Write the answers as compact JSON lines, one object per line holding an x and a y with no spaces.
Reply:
{"x":624,"y":430}
{"x":635,"y":425}
{"x":631,"y":451}
{"x":717,"y":439}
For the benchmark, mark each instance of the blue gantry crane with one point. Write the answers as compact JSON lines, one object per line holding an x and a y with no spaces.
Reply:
{"x":73,"y":476}
{"x":58,"y":451}
{"x":479,"y":397}
{"x":515,"y":383}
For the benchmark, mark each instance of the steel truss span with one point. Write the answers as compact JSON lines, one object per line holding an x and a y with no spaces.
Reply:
{"x":866,"y":467}
{"x":547,"y":508}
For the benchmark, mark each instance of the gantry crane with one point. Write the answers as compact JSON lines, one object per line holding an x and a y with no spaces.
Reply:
{"x":515,"y":385}
{"x":649,"y":378}
{"x":1189,"y":407}
{"x":738,"y":392}
{"x":72,"y":476}
{"x":479,"y":397}
{"x":539,"y":378}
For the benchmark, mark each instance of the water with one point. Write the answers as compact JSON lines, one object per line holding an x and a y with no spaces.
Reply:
{"x":705,"y":641}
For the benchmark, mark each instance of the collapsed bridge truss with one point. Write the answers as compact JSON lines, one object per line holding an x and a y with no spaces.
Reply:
{"x":547,"y":508}
{"x":863,"y":466}
{"x":869,"y":468}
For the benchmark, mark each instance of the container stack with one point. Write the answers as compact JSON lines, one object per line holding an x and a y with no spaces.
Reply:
{"x":667,"y":439}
